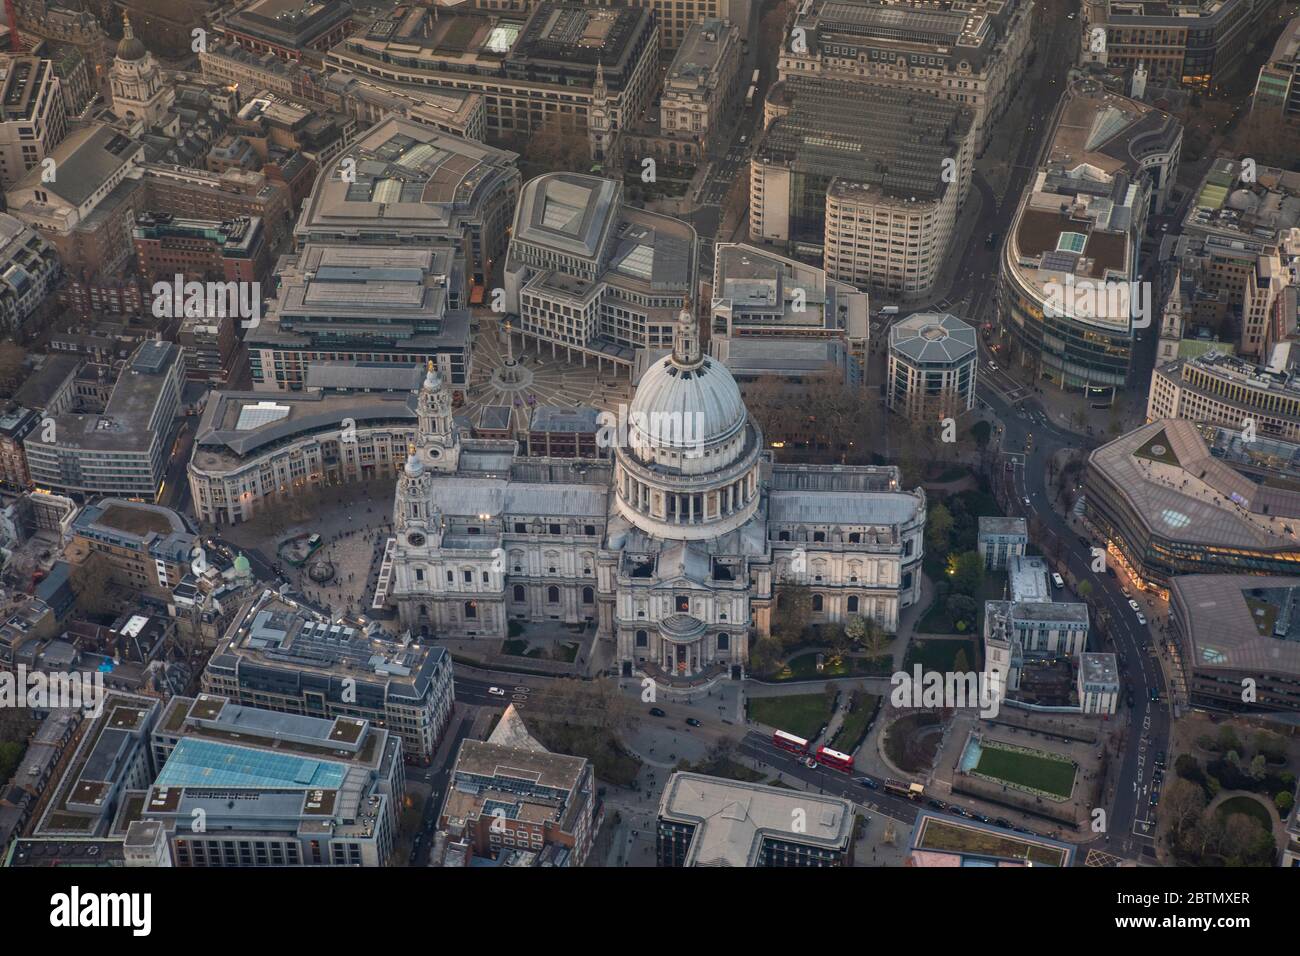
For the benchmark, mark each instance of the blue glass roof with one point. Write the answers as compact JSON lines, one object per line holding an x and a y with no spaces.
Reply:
{"x":208,"y":763}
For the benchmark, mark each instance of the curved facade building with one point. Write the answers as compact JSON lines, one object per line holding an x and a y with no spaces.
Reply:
{"x":1174,"y":498}
{"x":1069,"y":299}
{"x":252,"y":448}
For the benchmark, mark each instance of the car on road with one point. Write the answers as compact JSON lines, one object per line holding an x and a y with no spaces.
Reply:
{"x":1003,"y":822}
{"x":658,"y":712}
{"x":496,"y":692}
{"x":937,"y":804}
{"x":1142,"y":619}
{"x":993,"y":366}
{"x":1026,"y":501}
{"x":1057,"y":580}
{"x":1134,"y":605}
{"x":692,"y":722}
{"x":1125,"y":591}
{"x":1155,"y":696}
{"x":981,"y":818}
{"x":1160,"y":759}
{"x":868,"y":783}
{"x":961,"y":811}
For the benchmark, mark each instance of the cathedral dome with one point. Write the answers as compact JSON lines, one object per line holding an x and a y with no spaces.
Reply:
{"x":687,"y":399}
{"x":130,"y":48}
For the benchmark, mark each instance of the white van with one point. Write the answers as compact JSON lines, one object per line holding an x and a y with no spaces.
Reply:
{"x":1057,"y":580}
{"x":889,"y":310}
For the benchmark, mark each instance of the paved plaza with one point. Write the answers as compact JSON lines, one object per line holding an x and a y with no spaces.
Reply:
{"x":538,"y":377}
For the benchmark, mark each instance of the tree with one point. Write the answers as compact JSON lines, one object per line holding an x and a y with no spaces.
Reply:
{"x":855,"y":629}
{"x":764,"y":655}
{"x":960,"y":665}
{"x":938,"y":526}
{"x":962,"y":607}
{"x":1084,"y":587}
{"x":876,"y":637}
{"x":557,"y":146}
{"x":1284,"y":801}
{"x":981,"y":431}
{"x":1227,"y":740}
{"x":793,"y":613}
{"x":1182,"y":805}
{"x":968,"y":573}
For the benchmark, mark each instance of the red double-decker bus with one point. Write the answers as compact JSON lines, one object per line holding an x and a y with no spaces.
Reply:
{"x":796,"y":745}
{"x":834,"y":759}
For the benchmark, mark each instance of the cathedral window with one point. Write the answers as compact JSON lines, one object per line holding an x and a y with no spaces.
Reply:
{"x":552,"y":595}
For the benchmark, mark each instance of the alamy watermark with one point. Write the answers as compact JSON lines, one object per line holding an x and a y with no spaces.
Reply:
{"x":53,"y":690}
{"x":1092,"y":299}
{"x":218,"y":300}
{"x":682,"y":431}
{"x":954,"y":690}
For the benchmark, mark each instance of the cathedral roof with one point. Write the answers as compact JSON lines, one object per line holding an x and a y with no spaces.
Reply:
{"x":130,"y":48}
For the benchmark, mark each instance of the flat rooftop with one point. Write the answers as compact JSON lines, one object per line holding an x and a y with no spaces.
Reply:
{"x":733,"y":819}
{"x":1240,"y":622}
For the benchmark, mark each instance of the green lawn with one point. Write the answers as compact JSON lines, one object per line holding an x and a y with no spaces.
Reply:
{"x":855,"y":723}
{"x":1247,"y":806}
{"x":1049,"y":774}
{"x":800,"y":714}
{"x":804,"y":667}
{"x":939,"y":655}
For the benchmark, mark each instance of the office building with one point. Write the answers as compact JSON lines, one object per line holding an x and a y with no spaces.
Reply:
{"x":29,"y":271}
{"x":1000,"y":540}
{"x":933,"y":363}
{"x":942,"y":840}
{"x":287,"y":29}
{"x":763,"y":297}
{"x":33,"y":115}
{"x":588,"y":274}
{"x":281,"y":656}
{"x":123,"y":450}
{"x":111,"y":760}
{"x":824,"y":181}
{"x":1069,"y":296}
{"x":588,"y":69}
{"x":708,"y":821}
{"x":251,"y":452}
{"x":326,"y":311}
{"x":1173,"y":498}
{"x":1222,"y":389}
{"x":1201,"y":46}
{"x":701,"y":89}
{"x":1277,"y":90}
{"x":273,"y":789}
{"x":973,"y":54}
{"x":511,"y":800}
{"x":1238,"y":639}
{"x":149,"y":547}
{"x":405,"y":184}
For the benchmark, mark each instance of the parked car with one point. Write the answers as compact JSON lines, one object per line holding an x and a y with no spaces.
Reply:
{"x":496,"y":692}
{"x":868,"y":783}
{"x":658,"y":712}
{"x":1142,"y":619}
{"x":692,"y":722}
{"x":1134,"y":605}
